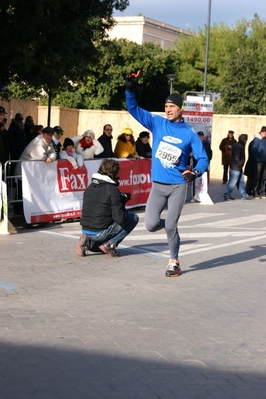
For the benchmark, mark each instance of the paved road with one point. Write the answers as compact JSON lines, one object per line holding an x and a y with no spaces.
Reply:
{"x":85,"y":328}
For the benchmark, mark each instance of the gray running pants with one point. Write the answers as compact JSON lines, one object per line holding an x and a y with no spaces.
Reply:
{"x":174,"y":196}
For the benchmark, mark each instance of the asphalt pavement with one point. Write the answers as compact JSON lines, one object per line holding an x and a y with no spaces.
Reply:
{"x":94,"y":327}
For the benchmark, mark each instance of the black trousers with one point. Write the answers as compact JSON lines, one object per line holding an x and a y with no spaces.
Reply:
{"x":225,"y":175}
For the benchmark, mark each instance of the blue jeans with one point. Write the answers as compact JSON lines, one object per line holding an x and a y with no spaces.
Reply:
{"x":236,"y":178}
{"x":115,"y":233}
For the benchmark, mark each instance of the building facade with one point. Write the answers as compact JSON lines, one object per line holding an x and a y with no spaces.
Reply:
{"x":141,"y":29}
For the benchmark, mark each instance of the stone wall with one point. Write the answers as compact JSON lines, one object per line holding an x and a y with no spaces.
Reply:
{"x":76,"y":121}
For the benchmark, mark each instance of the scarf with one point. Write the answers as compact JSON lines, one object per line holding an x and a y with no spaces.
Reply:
{"x":84,"y":143}
{"x":70,"y":153}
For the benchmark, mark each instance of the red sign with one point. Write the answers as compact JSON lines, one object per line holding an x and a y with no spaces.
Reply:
{"x":70,"y":179}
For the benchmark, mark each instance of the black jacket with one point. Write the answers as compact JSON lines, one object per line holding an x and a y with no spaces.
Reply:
{"x":143,"y":150}
{"x":57,"y":148}
{"x":103,"y":204}
{"x":16,"y":139}
{"x":237,"y":156}
{"x":208,"y":149}
{"x":106,"y":142}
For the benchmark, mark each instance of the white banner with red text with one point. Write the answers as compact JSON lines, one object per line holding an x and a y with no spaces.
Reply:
{"x":198,"y":114}
{"x":55,"y":191}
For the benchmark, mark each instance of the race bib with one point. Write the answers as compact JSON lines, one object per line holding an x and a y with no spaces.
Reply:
{"x":168,"y":153}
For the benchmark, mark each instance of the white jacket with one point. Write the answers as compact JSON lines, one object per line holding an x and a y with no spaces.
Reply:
{"x":89,"y":152}
{"x":36,"y":150}
{"x":76,"y":160}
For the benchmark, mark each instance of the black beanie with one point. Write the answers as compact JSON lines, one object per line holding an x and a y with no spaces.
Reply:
{"x":176,"y":99}
{"x":67,"y":142}
{"x":144,"y":134}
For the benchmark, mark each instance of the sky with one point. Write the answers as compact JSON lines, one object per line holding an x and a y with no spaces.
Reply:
{"x":193,"y":14}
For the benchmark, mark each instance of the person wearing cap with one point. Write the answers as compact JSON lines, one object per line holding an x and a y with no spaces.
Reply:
{"x":58,"y":133}
{"x":226,"y":149}
{"x":173,"y":141}
{"x":39,"y":149}
{"x":255,"y":168}
{"x":125,"y":146}
{"x":106,"y":141}
{"x":87,"y":145}
{"x":69,"y":154}
{"x":143,"y":146}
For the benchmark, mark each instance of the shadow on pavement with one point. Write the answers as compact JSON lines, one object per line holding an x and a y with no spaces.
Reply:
{"x":32,"y":372}
{"x":254,"y":252}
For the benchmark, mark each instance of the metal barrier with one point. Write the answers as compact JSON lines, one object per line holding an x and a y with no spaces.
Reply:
{"x":13,"y":183}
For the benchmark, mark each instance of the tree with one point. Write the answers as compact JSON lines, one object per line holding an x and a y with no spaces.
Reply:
{"x":104,"y":86}
{"x":96,"y":66}
{"x":243,"y":86}
{"x":46,"y":43}
{"x":236,"y":66}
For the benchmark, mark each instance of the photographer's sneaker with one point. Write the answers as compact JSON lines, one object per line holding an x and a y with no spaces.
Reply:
{"x":109,"y":249}
{"x":173,"y":269}
{"x":82,"y":245}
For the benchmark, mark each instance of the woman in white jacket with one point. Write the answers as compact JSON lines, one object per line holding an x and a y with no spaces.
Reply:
{"x":87,"y":146}
{"x":70,"y":155}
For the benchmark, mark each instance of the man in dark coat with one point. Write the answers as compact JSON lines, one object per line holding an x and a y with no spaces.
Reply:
{"x":16,"y":140}
{"x":106,"y":141}
{"x":28,"y":126}
{"x":4,"y":151}
{"x":226,"y":148}
{"x":236,"y":177}
{"x":207,"y":148}
{"x":255,"y":168}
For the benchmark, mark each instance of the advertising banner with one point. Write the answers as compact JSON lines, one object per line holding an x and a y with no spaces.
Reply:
{"x":198,"y":114}
{"x":55,"y":191}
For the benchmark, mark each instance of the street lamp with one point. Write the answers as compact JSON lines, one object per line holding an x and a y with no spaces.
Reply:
{"x":207,"y":49}
{"x":171,"y":78}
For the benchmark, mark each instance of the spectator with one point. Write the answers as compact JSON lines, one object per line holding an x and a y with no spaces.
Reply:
{"x":105,"y":221}
{"x":106,"y":141}
{"x":256,"y":165}
{"x":207,"y":148}
{"x":69,"y":154}
{"x":2,"y":114}
{"x":226,"y":148}
{"x":35,"y":131}
{"x":28,"y":126}
{"x":87,"y":145}
{"x":16,"y":140}
{"x":143,"y":146}
{"x":2,"y":148}
{"x":236,"y":177}
{"x":39,"y":149}
{"x":4,"y":151}
{"x":58,"y":133}
{"x":125,"y":146}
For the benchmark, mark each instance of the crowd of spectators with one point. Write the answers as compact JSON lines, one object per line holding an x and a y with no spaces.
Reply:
{"x":23,"y":140}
